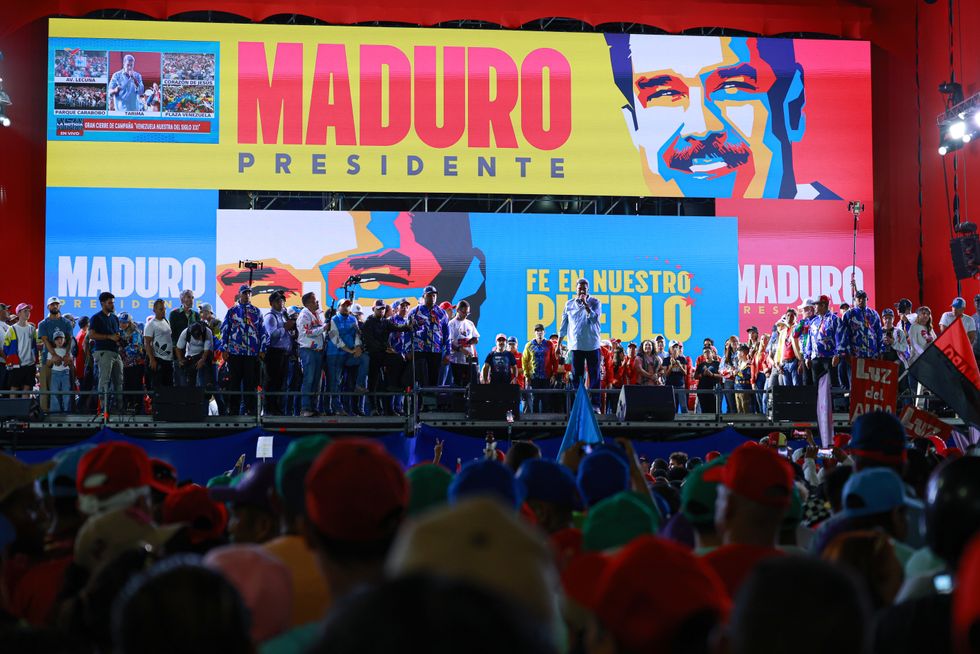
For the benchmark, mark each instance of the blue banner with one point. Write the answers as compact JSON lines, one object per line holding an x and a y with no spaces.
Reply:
{"x":139,"y":244}
{"x":198,"y":460}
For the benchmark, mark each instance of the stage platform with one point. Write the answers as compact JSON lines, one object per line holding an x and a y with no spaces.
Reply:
{"x":62,"y":430}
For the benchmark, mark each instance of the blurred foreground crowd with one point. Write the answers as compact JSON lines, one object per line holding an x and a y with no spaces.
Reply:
{"x":336,"y":548}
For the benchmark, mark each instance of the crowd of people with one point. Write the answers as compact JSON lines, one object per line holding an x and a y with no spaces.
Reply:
{"x":187,"y":67}
{"x":80,"y":64}
{"x":335,"y":547}
{"x":79,"y":96}
{"x":189,"y":99}
{"x":358,"y":360}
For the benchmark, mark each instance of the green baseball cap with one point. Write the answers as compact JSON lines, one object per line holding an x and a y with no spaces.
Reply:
{"x":698,"y":496}
{"x":220,"y":481}
{"x":617,"y":520}
{"x":428,"y":486}
{"x":292,"y":467}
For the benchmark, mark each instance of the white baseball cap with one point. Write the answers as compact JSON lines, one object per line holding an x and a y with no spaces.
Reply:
{"x":53,"y":300}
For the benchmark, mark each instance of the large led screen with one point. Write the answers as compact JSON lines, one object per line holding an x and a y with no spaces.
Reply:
{"x":204,"y":106}
{"x":514,"y":270}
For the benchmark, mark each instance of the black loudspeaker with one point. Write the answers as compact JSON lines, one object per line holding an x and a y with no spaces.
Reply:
{"x":966,"y":255}
{"x":645,"y":403}
{"x":794,"y":403}
{"x":15,"y":408}
{"x":180,"y":404}
{"x":451,"y":402}
{"x":493,"y":401}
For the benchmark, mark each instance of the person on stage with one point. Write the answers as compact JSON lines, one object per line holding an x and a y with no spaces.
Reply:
{"x":500,"y":366}
{"x":463,"y":337}
{"x":126,"y":86}
{"x":540,"y":365}
{"x":430,"y":338}
{"x":860,"y":336}
{"x":245,"y":341}
{"x":580,"y":323}
{"x":278,"y":324}
{"x":824,"y":345}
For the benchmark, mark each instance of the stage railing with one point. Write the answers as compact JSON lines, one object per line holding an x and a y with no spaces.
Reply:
{"x":100,"y":407}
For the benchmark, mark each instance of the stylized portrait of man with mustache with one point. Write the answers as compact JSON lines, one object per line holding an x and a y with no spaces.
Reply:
{"x":714,"y":116}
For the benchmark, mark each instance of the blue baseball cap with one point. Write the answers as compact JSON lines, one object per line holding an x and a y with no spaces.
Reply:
{"x":430,"y":289}
{"x":486,"y":478}
{"x":874,"y":490}
{"x":125,"y":317}
{"x":244,"y":288}
{"x":602,"y":474}
{"x":66,"y":469}
{"x":550,"y":482}
{"x":880,"y":437}
{"x":958,"y":303}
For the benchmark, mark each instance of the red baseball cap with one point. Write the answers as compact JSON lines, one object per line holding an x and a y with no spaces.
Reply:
{"x":823,"y":299}
{"x":566,"y":545}
{"x":630,"y":599}
{"x":356,"y":492}
{"x":163,"y":476}
{"x":842,"y":440}
{"x":966,"y":599}
{"x":756,"y":473}
{"x":111,"y":475}
{"x":191,"y":504}
{"x":711,"y":456}
{"x":580,"y":576}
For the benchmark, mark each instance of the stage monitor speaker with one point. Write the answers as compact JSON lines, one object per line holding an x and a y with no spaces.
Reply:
{"x":15,"y":408}
{"x":493,"y":401}
{"x":794,"y":403}
{"x":180,"y":404}
{"x":645,"y":403}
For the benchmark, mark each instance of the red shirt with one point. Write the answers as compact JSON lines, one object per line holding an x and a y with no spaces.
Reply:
{"x":734,"y":562}
{"x":80,"y":353}
{"x":629,"y":374}
{"x":520,"y":370}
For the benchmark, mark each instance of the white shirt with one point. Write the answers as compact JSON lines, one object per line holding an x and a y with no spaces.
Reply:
{"x":311,"y":329}
{"x":461,"y":329}
{"x":60,"y":367}
{"x":919,"y":339}
{"x":162,"y":336}
{"x":191,"y":346}
{"x":949,"y":317}
{"x":26,"y":342}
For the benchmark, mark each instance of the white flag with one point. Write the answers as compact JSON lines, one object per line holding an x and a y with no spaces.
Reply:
{"x":825,"y":411}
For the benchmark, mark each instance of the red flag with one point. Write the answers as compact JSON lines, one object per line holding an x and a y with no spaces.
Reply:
{"x":948,"y":368}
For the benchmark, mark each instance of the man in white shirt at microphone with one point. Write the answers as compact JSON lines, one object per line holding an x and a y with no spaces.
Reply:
{"x":580,"y":323}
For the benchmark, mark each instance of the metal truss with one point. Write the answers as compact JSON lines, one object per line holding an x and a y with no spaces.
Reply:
{"x":464,"y":203}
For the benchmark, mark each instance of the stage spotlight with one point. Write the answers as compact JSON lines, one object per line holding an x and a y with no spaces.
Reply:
{"x":4,"y":121}
{"x":943,"y":150}
{"x":967,"y":138}
{"x":957,"y":130}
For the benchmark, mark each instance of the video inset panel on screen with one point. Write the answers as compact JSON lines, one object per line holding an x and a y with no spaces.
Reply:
{"x":132,"y":91}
